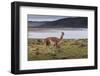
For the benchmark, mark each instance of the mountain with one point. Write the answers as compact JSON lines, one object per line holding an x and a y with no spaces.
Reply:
{"x":73,"y":22}
{"x":35,"y":23}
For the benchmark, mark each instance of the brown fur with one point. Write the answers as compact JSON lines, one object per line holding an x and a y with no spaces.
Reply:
{"x":54,"y":40}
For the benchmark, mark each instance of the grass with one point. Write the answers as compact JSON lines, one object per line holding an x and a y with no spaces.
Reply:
{"x":70,"y":49}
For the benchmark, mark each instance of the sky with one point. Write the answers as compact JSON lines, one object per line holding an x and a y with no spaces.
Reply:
{"x":44,"y":17}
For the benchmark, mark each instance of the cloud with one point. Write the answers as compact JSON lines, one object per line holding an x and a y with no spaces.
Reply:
{"x":44,"y":17}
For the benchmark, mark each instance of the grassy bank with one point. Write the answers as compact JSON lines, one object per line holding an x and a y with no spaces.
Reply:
{"x":70,"y":49}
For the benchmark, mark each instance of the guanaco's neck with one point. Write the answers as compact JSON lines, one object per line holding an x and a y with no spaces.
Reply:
{"x":61,"y":37}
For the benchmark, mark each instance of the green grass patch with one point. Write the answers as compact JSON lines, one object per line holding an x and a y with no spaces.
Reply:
{"x":69,"y":49}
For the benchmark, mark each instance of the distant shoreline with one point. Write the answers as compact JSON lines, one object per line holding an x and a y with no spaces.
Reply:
{"x":65,"y":29}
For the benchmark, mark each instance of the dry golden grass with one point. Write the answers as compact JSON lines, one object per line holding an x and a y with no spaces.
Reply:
{"x":70,"y":49}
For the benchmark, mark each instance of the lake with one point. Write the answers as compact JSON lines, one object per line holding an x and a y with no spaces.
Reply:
{"x":68,"y":34}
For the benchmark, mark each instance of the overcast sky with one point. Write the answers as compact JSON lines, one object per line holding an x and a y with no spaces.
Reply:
{"x":44,"y":17}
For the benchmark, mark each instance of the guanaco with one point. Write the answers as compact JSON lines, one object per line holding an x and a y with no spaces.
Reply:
{"x":54,"y":40}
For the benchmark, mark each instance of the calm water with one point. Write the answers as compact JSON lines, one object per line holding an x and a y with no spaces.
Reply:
{"x":68,"y":34}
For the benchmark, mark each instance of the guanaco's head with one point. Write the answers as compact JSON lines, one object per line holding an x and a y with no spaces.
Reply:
{"x":62,"y":33}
